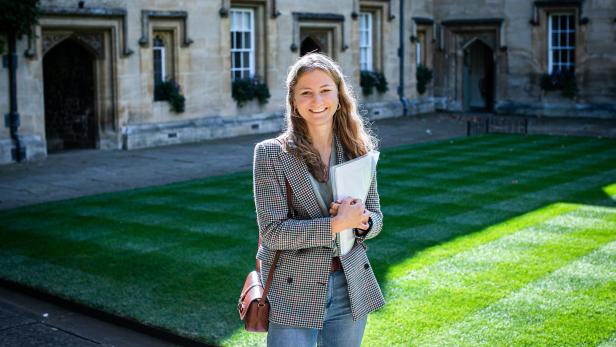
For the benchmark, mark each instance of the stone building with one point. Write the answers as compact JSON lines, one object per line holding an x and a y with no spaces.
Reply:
{"x":91,"y":75}
{"x":494,"y":54}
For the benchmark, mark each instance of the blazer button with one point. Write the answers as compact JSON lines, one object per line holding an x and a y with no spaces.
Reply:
{"x":366,"y":266}
{"x":289,"y":280}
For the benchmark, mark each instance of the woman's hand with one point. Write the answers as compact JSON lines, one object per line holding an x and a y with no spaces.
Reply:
{"x":333,"y":208}
{"x":347,"y":214}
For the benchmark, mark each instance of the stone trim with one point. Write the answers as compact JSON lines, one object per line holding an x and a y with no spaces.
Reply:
{"x":146,"y":15}
{"x":225,"y":6}
{"x":356,"y":5}
{"x":114,"y":13}
{"x":317,"y":17}
{"x":534,"y":21}
{"x":391,"y":15}
{"x":30,"y":52}
{"x":93,"y":41}
{"x":473,"y":21}
{"x":136,"y":136}
{"x":566,"y":109}
{"x":423,"y":21}
{"x":275,"y":12}
{"x":476,"y":22}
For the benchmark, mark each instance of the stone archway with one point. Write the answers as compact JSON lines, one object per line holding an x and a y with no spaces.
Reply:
{"x":309,"y":46}
{"x":478,"y":76}
{"x":316,"y":40}
{"x":69,"y":88}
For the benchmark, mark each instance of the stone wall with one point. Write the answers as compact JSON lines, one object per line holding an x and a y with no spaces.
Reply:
{"x":128,"y":117}
{"x":127,"y":113}
{"x":522,"y":57}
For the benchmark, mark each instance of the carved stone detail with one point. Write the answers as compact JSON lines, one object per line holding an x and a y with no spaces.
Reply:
{"x":94,"y":41}
{"x":487,"y":38}
{"x":51,"y":39}
{"x":93,"y":12}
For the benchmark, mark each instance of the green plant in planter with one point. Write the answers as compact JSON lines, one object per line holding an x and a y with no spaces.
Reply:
{"x":564,"y":81}
{"x":372,"y":79}
{"x":171,"y":91}
{"x":246,"y":89}
{"x":424,"y":76}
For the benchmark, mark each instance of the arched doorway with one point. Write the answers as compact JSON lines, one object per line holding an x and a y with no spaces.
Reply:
{"x":309,"y":46}
{"x":319,"y":40}
{"x":68,"y":77}
{"x":478,"y":77}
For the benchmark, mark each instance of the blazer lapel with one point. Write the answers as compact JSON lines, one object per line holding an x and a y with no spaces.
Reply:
{"x":297,"y":173}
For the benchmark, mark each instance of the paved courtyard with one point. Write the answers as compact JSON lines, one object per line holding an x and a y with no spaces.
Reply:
{"x":86,"y":172}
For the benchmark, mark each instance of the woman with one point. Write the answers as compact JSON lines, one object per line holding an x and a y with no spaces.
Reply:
{"x":316,"y":295}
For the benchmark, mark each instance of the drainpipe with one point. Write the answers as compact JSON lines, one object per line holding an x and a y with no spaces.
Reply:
{"x":12,"y":118}
{"x":401,"y":57}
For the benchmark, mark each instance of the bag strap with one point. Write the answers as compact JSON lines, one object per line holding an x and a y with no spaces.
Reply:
{"x":270,"y":275}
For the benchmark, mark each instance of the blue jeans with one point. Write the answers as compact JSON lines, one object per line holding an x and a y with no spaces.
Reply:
{"x":339,"y":329}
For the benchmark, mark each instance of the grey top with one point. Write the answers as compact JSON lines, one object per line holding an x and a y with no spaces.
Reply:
{"x":325,"y":195}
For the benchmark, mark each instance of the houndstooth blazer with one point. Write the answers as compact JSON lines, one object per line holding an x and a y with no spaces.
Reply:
{"x":298,"y":291}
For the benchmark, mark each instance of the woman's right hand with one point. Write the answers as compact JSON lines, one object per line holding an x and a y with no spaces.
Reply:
{"x":351,"y":213}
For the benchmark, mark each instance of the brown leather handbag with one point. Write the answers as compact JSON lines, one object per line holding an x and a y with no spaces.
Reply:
{"x":253,"y":305}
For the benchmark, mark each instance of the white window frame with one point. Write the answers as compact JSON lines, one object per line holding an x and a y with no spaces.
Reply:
{"x":248,"y":71}
{"x":365,"y":28}
{"x":570,"y":29}
{"x":418,"y":52}
{"x":163,"y":61}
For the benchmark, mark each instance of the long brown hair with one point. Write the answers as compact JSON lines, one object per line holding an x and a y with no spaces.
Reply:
{"x":348,"y":125}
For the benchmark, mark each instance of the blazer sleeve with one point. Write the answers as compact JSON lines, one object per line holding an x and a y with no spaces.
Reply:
{"x":277,"y":231}
{"x":374,"y":206}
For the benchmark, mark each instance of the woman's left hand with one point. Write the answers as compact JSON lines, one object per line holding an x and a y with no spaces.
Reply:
{"x":333,"y":211}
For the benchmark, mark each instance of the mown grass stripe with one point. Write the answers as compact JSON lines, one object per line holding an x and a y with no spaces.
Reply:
{"x":196,"y":221}
{"x":113,"y":234}
{"x":432,"y":255}
{"x":609,"y":342}
{"x":458,"y":285}
{"x":539,"y":314}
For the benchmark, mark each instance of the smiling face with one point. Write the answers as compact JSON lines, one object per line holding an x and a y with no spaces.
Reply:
{"x":316,"y":98}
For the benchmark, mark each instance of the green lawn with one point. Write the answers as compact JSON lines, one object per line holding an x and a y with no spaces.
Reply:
{"x":488,"y":241}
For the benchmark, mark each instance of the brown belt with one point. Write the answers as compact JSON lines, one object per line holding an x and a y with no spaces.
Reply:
{"x":336,"y":265}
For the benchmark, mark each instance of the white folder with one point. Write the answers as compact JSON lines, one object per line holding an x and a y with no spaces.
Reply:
{"x":352,"y":179}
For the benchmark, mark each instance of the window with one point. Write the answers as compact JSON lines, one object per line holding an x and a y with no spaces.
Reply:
{"x":159,"y":60}
{"x":421,"y":47}
{"x":242,"y":43}
{"x":561,"y":42}
{"x":418,"y":52}
{"x":162,"y":60}
{"x":422,"y":38}
{"x":365,"y":41}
